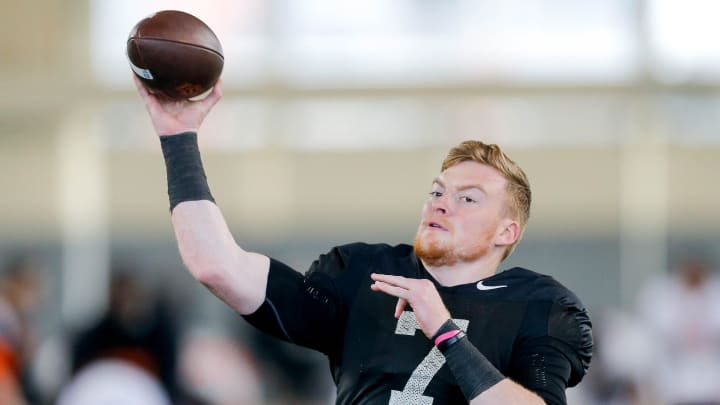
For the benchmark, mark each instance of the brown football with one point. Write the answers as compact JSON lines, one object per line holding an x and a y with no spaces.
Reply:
{"x":175,"y":53}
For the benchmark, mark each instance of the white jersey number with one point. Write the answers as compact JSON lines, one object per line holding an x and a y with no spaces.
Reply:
{"x":412,"y":394}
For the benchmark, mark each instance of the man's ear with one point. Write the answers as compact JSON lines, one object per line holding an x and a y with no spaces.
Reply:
{"x":508,"y":233}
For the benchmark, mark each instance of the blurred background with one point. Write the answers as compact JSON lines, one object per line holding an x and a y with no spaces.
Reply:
{"x":335,"y":119}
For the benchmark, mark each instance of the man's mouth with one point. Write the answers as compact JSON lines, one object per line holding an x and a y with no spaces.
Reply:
{"x":436,"y":225}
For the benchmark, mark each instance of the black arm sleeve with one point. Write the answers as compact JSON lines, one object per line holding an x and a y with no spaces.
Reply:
{"x":559,"y":353}
{"x":544,"y":370}
{"x":309,"y":310}
{"x":297,"y":310}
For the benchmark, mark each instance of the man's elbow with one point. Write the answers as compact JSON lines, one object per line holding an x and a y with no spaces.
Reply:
{"x":209,"y":271}
{"x":207,"y":276}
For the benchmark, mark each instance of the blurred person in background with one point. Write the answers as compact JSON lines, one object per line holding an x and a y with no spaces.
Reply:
{"x":681,"y":310}
{"x":291,"y":374}
{"x":515,"y":337}
{"x":624,"y":352}
{"x":138,"y":328}
{"x":20,"y":294}
{"x":217,"y":369}
{"x":113,"y":382}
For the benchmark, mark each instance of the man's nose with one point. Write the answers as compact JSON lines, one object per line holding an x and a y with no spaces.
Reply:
{"x":440,"y":204}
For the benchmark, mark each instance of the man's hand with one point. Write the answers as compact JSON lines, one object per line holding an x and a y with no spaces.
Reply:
{"x":170,"y":117}
{"x":422,"y":296}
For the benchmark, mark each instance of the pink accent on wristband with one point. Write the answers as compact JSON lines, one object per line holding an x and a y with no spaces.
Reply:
{"x":445,"y":336}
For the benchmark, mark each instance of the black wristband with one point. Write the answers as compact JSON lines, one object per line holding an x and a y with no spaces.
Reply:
{"x":448,"y":326}
{"x":185,"y":174}
{"x":473,"y":372}
{"x":445,"y":344}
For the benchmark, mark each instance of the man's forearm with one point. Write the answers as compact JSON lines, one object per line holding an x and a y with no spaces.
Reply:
{"x":210,"y":253}
{"x":478,"y":379}
{"x":507,"y":392}
{"x":205,"y":242}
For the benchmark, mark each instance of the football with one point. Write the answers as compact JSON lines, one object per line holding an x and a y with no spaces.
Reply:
{"x":175,"y":54}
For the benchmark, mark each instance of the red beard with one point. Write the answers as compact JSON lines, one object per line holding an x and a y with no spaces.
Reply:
{"x":438,"y":254}
{"x":433,"y":254}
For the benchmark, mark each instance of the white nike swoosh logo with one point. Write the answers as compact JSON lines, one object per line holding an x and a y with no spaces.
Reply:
{"x":483,"y":287}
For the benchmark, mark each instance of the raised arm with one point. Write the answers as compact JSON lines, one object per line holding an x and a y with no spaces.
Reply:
{"x":206,"y":245}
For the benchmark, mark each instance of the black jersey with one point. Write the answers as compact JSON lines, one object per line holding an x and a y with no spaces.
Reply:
{"x":530,"y":327}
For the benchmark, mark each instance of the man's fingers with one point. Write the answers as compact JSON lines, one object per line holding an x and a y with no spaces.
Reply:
{"x":151,"y":102}
{"x":212,"y":98}
{"x":389,"y":289}
{"x":144,"y":93}
{"x":138,"y":84}
{"x":399,"y":281}
{"x":400,"y":307}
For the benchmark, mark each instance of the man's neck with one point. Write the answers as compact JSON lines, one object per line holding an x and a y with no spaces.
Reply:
{"x":463,"y":273}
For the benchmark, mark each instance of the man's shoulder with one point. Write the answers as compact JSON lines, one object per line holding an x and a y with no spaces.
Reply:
{"x":555,"y":316}
{"x":375,"y":248}
{"x":361,"y":257}
{"x":534,"y":286}
{"x":371,"y":252}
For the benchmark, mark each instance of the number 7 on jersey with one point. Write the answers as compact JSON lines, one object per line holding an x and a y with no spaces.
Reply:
{"x":420,"y":378}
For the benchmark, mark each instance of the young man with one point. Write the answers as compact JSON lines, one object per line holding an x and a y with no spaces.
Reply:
{"x":426,"y":324}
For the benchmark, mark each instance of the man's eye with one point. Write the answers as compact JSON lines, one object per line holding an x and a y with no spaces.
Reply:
{"x":435,"y":194}
{"x":467,"y":199}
